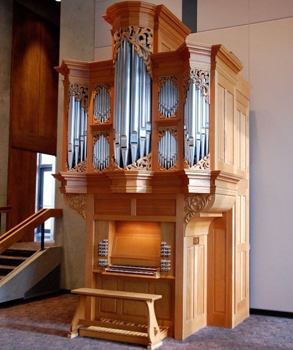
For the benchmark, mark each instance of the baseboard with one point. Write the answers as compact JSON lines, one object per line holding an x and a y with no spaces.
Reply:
{"x":272,"y":313}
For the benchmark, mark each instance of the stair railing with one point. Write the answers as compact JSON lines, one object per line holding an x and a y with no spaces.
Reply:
{"x":16,"y":233}
{"x":4,"y":209}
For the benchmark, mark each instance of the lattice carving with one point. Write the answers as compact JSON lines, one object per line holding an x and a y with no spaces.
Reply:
{"x":195,"y":204}
{"x":80,"y":92}
{"x":144,"y":163}
{"x":140,"y":38}
{"x":77,"y":202}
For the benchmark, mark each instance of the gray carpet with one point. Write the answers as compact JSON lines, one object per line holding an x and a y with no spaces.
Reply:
{"x":43,"y":324}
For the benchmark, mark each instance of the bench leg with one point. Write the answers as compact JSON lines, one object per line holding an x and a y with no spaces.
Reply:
{"x":79,"y":314}
{"x":153,"y":327}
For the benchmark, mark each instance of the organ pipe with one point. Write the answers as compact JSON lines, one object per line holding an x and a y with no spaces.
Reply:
{"x":101,"y":153}
{"x":77,"y":126}
{"x":196,"y":118}
{"x":168,"y":99}
{"x":167,"y":150}
{"x":102,"y":104}
{"x":132,"y":112}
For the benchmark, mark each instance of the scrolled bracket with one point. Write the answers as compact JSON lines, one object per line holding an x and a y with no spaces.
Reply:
{"x":77,"y":202}
{"x":195,"y":204}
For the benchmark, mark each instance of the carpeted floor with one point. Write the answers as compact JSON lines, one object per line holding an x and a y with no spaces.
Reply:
{"x":44,"y":324}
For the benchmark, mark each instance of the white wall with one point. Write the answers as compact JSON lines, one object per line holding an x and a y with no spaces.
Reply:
{"x":76,"y":42}
{"x":260,"y":34}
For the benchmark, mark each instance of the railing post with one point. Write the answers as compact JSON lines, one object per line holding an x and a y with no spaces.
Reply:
{"x":43,"y":236}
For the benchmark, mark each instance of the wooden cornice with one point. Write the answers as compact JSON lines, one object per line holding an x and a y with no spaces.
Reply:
{"x":132,"y":181}
{"x":130,"y":13}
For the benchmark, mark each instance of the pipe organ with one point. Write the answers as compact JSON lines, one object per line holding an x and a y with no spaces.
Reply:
{"x":156,"y":161}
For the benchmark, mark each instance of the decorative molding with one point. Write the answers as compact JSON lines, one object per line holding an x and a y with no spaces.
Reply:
{"x":77,"y":202}
{"x":195,"y":204}
{"x":140,"y":38}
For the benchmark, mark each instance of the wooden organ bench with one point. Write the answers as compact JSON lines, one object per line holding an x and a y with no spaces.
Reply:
{"x":150,"y":334}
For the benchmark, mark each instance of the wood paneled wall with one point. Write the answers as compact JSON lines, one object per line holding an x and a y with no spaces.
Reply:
{"x":33,"y":110}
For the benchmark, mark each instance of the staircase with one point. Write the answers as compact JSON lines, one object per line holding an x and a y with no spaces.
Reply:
{"x":28,"y":269}
{"x":11,"y":258}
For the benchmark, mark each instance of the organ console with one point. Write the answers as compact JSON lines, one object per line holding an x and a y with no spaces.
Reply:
{"x":156,"y":160}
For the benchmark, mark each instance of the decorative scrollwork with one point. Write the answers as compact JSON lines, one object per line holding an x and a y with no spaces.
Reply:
{"x":80,"y":92}
{"x":78,"y":203}
{"x":172,"y":168}
{"x":186,"y":82}
{"x":144,"y":163}
{"x":195,"y":204}
{"x":99,"y":87}
{"x":140,"y":38}
{"x":80,"y":167}
{"x":202,"y":164}
{"x":162,"y":81}
{"x":171,"y":129}
{"x":111,"y":166}
{"x":98,"y":134}
{"x":201,"y":79}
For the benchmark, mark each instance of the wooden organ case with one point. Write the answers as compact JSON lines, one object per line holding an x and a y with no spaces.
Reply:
{"x":156,"y":160}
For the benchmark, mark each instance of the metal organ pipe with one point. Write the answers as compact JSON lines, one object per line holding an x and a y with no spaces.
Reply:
{"x":102,"y":109}
{"x":132,"y":112}
{"x":196,"y":122}
{"x":77,"y":131}
{"x":168,"y":99}
{"x":167,"y":150}
{"x":101,"y":153}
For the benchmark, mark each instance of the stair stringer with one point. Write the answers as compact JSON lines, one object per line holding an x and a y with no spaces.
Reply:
{"x":25,"y":276}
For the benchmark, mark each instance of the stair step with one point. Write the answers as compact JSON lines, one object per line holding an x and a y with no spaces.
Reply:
{"x":11,"y":260}
{"x":18,"y":252}
{"x":5,"y":269}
